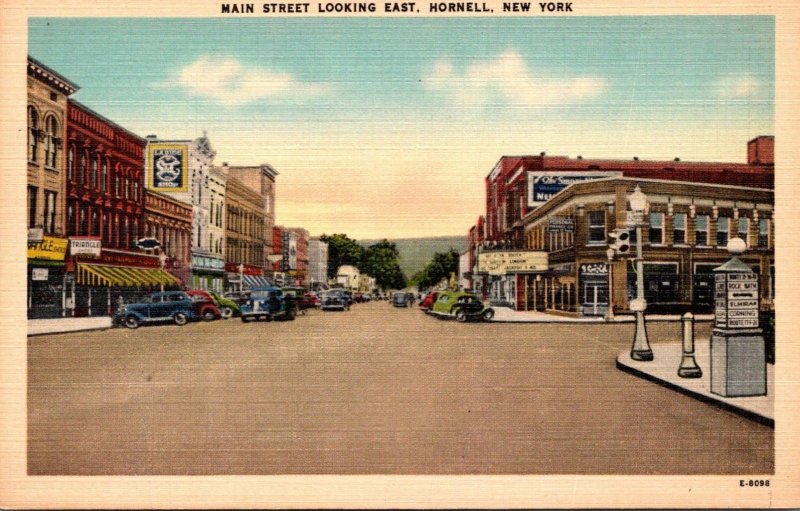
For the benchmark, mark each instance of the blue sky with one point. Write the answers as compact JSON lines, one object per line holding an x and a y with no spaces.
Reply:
{"x":387,"y":126}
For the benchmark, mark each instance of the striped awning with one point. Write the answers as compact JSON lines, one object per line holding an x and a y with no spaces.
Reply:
{"x":118,"y":276}
{"x":256,"y":281}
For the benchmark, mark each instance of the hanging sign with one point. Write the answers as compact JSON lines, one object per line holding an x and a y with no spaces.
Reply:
{"x":167,"y":167}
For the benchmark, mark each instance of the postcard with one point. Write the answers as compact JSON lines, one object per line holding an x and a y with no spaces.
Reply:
{"x":348,"y":254}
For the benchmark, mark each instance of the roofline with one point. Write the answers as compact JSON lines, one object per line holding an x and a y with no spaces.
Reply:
{"x":105,"y":119}
{"x":58,"y":75}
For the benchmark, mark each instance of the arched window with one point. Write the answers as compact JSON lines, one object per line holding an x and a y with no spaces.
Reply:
{"x":93,"y":172}
{"x":51,"y":142}
{"x":82,"y":168}
{"x":33,"y":134}
{"x":71,"y":163}
{"x":104,"y":176}
{"x":95,"y":223}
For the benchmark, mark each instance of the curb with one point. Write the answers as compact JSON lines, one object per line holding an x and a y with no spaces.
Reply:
{"x":57,"y":332}
{"x":755,"y":417}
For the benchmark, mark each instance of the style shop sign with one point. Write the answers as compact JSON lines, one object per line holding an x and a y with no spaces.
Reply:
{"x":542,"y":186}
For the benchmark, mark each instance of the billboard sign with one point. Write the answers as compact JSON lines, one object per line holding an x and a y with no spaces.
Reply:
{"x":542,"y":186}
{"x":167,"y":167}
{"x":502,"y":263}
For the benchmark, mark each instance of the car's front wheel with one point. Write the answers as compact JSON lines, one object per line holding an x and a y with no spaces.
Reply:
{"x":227,"y":312}
{"x":461,"y":315}
{"x":180,"y":318}
{"x":131,"y":322}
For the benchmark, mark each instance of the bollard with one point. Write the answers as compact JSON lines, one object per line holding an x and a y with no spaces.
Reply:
{"x":689,"y":367}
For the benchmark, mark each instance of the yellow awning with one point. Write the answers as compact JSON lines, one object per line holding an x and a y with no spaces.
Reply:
{"x":99,"y":275}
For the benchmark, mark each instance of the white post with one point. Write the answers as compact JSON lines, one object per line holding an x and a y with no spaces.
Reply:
{"x":641,"y":347}
{"x":610,"y":309}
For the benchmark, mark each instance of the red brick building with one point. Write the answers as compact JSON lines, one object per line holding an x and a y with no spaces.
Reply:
{"x":169,"y":221}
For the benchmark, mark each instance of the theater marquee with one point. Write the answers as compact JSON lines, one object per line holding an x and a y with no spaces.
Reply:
{"x":502,"y":263}
{"x":167,"y":167}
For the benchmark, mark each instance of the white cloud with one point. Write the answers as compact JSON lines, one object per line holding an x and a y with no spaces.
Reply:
{"x":737,"y":86}
{"x":508,"y":79}
{"x":228,"y":81}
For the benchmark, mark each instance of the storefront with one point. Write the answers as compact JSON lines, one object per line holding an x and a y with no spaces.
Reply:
{"x":593,"y":290}
{"x":243,"y":277}
{"x":208,"y":272}
{"x":46,"y":259}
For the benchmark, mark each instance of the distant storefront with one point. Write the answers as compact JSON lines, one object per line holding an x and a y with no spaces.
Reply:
{"x":208,"y":272}
{"x":46,"y":259}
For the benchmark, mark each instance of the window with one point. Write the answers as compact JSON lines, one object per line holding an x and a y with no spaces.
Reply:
{"x":657,"y":228}
{"x":95,"y":223}
{"x":82,"y":168}
{"x":104,"y":176}
{"x":723,"y":231}
{"x":597,"y":227}
{"x":32,"y":193}
{"x":71,"y":218}
{"x":50,"y":147}
{"x":93,"y":173}
{"x":763,"y":233}
{"x":743,"y":230}
{"x":679,"y":229}
{"x":33,"y":134}
{"x":71,"y":164}
{"x":701,"y":230}
{"x":49,"y":215}
{"x":83,"y":221}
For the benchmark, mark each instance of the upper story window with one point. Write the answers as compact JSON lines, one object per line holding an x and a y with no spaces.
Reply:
{"x":33,"y":134}
{"x":51,"y":142}
{"x":104,"y":176}
{"x":597,"y":227}
{"x":71,"y":163}
{"x":743,"y":230}
{"x":93,"y":173}
{"x":82,"y":168}
{"x":679,"y":228}
{"x":723,"y":231}
{"x":656,"y":228}
{"x":763,"y":233}
{"x":701,"y":230}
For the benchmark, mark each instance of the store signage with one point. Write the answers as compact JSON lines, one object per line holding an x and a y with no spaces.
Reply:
{"x":594,"y":269}
{"x":736,"y":300}
{"x":40,"y":274}
{"x":85,"y":246}
{"x":203,"y":262}
{"x":502,"y":263}
{"x":35,"y":234}
{"x":122,"y":258}
{"x":561,"y":224}
{"x":50,"y":248}
{"x":542,"y":186}
{"x":167,"y":167}
{"x":148,"y":243}
{"x":247,"y":269}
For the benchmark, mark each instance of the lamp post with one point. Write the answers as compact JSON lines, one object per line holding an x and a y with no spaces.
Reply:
{"x":641,"y":347}
{"x":162,"y":258}
{"x":241,"y":278}
{"x":610,"y":309}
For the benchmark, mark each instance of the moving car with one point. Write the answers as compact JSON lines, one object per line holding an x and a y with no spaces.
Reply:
{"x":229,"y":308}
{"x":333,"y":300}
{"x":268,"y":303}
{"x":461,"y":306}
{"x":205,"y":307}
{"x":401,"y":299}
{"x":176,"y":306}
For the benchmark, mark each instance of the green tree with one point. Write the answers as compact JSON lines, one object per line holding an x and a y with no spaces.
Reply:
{"x":381,"y":262}
{"x":341,"y":250}
{"x":440,"y":267}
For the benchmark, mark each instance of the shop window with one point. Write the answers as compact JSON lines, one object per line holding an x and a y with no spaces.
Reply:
{"x":743,"y":230}
{"x":679,"y":229}
{"x":33,"y":134}
{"x":661,"y":282}
{"x":597,"y":227}
{"x":763,"y":233}
{"x":701,"y":230}
{"x":723,"y":231}
{"x":656,"y":236}
{"x":32,"y":195}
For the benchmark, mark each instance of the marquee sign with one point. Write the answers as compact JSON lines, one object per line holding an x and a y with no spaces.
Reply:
{"x":502,"y":263}
{"x":542,"y":186}
{"x":167,"y":167}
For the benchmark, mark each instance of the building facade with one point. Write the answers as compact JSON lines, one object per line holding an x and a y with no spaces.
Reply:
{"x":46,"y":192}
{"x":295,"y":255}
{"x":244,"y":240}
{"x":317,"y":263}
{"x":169,"y":221}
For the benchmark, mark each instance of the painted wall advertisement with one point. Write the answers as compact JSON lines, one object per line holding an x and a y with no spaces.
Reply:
{"x":542,"y":186}
{"x":167,"y":167}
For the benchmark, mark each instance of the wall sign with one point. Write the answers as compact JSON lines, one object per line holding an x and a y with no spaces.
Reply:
{"x":543,"y":185}
{"x":167,"y":167}
{"x":85,"y":246}
{"x":40,"y":274}
{"x":561,"y":224}
{"x":50,"y":248}
{"x":594,"y":269}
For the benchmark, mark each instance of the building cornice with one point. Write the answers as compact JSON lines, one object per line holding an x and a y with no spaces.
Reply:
{"x":46,"y":75}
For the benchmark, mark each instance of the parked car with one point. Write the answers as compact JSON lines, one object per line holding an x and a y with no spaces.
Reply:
{"x":176,"y":306}
{"x":461,"y":306}
{"x":239,"y":297}
{"x":332,"y":300}
{"x":303,"y":300}
{"x":268,"y":303}
{"x":401,"y":299}
{"x":204,"y":306}
{"x":229,"y":308}
{"x":428,"y":301}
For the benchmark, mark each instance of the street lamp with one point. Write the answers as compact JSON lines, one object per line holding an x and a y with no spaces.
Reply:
{"x":162,"y":258}
{"x":641,"y":347}
{"x":610,"y":309}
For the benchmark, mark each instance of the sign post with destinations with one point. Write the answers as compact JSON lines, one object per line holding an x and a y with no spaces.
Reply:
{"x":738,"y":357}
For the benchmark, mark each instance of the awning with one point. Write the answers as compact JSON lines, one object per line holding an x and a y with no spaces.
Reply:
{"x":256,"y":281}
{"x":99,"y":275}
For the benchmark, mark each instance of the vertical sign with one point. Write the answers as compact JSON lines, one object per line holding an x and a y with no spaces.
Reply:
{"x":736,"y":300}
{"x":167,"y":167}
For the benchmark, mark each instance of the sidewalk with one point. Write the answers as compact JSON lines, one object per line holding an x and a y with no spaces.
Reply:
{"x":508,"y":315}
{"x":663,"y":370}
{"x":61,"y":325}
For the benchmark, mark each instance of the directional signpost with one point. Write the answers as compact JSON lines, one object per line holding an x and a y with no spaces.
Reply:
{"x":738,"y":363}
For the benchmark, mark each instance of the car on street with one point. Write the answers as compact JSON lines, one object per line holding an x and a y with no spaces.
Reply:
{"x":238,"y":297}
{"x":205,"y":307}
{"x":428,"y":301}
{"x":402,"y":299}
{"x":229,"y":308}
{"x":175,"y":306}
{"x":332,"y":300}
{"x":268,"y":303}
{"x":461,"y":306}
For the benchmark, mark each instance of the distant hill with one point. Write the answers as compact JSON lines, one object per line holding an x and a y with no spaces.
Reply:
{"x":415,"y":253}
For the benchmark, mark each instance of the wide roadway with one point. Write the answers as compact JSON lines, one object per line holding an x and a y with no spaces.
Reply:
{"x":374,"y":390}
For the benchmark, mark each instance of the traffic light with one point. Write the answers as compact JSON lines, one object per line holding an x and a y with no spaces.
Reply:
{"x":620,"y":241}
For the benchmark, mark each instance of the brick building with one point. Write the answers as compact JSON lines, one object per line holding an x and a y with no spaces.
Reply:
{"x":169,"y":221}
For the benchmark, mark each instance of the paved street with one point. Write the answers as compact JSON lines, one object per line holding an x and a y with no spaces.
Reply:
{"x":375,"y":390}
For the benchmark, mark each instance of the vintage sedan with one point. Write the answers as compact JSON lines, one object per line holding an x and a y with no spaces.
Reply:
{"x":268,"y":303}
{"x":205,"y":307}
{"x":402,"y":299}
{"x":229,"y":308}
{"x":461,"y":306}
{"x":333,"y":300}
{"x":175,"y":306}
{"x":428,"y":301}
